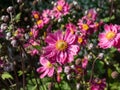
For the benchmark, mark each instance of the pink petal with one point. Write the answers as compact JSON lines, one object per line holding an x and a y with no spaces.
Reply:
{"x":41,"y":69}
{"x":44,"y":74}
{"x":51,"y":72}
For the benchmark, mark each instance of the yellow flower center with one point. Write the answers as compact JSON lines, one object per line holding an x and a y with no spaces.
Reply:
{"x":80,"y":70}
{"x":80,"y":40}
{"x":31,"y":33}
{"x":61,"y":45}
{"x":39,"y":22}
{"x":72,"y":31}
{"x":59,"y":7}
{"x":49,"y":65}
{"x":36,"y":16}
{"x":85,"y":27}
{"x":110,"y":35}
{"x":89,"y":15}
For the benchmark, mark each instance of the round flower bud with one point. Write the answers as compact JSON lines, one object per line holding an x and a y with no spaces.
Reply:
{"x":100,"y":55}
{"x":77,"y":62}
{"x":10,"y":9}
{"x":69,"y":76}
{"x":3,"y":26}
{"x":66,"y":69}
{"x":77,"y":86}
{"x":114,"y":74}
{"x":14,"y":42}
{"x":90,"y":46}
{"x":19,"y":1}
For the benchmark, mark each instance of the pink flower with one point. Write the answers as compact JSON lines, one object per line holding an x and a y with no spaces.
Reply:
{"x":36,"y":14}
{"x":92,"y":14}
{"x":71,"y":27}
{"x":62,"y":8}
{"x":84,"y":62}
{"x":47,"y":68}
{"x":86,"y":25}
{"x":98,"y":84}
{"x":61,"y":46}
{"x":34,"y":33}
{"x":110,"y":37}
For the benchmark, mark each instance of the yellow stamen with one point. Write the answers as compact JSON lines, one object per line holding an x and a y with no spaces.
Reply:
{"x":49,"y":65}
{"x":39,"y":22}
{"x":31,"y":33}
{"x":80,"y":40}
{"x":61,"y":45}
{"x":85,"y":27}
{"x":36,"y":16}
{"x":59,"y":8}
{"x":110,"y":35}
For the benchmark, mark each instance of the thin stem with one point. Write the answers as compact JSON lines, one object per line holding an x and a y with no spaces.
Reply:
{"x":92,"y":71}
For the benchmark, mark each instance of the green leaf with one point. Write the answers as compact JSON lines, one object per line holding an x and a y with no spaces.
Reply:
{"x":108,"y":19}
{"x":17,"y":17}
{"x":6,"y":75}
{"x":21,"y":73}
{"x":109,"y":72}
{"x":34,"y":88}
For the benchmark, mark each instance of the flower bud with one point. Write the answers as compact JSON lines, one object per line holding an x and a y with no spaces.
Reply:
{"x":10,"y":9}
{"x":90,"y":46}
{"x":66,"y":69}
{"x":3,"y":26}
{"x":100,"y":55}
{"x":14,"y":42}
{"x":69,"y":76}
{"x":114,"y":74}
{"x":77,"y":86}
{"x":19,"y":1}
{"x":77,"y":62}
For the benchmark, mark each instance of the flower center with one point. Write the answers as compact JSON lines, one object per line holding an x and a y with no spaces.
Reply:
{"x":31,"y":33}
{"x":59,"y":7}
{"x":61,"y":45}
{"x":72,"y":30}
{"x":39,"y":22}
{"x":85,"y":27}
{"x":110,"y":35}
{"x":36,"y":16}
{"x":80,"y":40}
{"x":49,"y":65}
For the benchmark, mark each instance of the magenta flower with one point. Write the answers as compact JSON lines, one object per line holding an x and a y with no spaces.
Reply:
{"x":47,"y":68}
{"x":61,"y":46}
{"x":36,"y":14}
{"x":86,"y":26}
{"x":84,"y":62}
{"x":98,"y":84}
{"x":62,"y":8}
{"x":92,"y":14}
{"x":110,"y":37}
{"x":71,"y":27}
{"x":34,"y":33}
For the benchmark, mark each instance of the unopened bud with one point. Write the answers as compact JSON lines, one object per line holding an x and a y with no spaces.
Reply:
{"x":66,"y":69}
{"x":77,"y":86}
{"x":10,"y":9}
{"x":69,"y":76}
{"x":114,"y":74}
{"x":77,"y":62}
{"x":100,"y":55}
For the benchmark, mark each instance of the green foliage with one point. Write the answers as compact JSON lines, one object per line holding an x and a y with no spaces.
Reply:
{"x":6,"y":75}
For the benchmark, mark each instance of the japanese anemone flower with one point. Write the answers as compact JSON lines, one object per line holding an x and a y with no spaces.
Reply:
{"x":47,"y":68}
{"x":62,"y":8}
{"x":110,"y":37}
{"x":61,"y":46}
